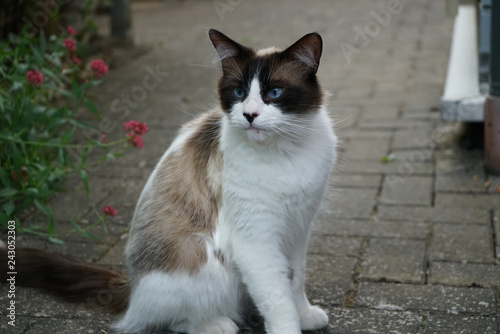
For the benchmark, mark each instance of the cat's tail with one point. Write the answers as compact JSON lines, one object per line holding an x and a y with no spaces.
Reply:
{"x":67,"y":277}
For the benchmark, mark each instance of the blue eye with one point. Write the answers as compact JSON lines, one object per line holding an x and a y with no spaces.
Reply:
{"x":275,"y":93}
{"x":239,"y":92}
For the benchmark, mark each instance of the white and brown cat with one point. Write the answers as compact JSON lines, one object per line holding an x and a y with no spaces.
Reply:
{"x":226,"y":215}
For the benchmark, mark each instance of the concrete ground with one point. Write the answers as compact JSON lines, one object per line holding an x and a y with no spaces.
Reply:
{"x":408,"y":241}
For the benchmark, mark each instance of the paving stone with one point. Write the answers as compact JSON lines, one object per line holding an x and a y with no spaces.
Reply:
{"x":431,"y":214}
{"x":427,"y":297}
{"x":21,"y":325}
{"x":328,"y":278}
{"x":324,"y":244}
{"x":367,"y":321}
{"x":459,"y":183}
{"x":388,"y":112}
{"x":394,"y":124}
{"x":116,"y":255}
{"x":354,"y":134}
{"x":460,"y":162}
{"x":357,"y":181}
{"x":493,"y":183}
{"x":399,"y":168}
{"x":368,"y":228}
{"x":367,"y":150}
{"x":412,"y":190}
{"x":465,"y":274}
{"x":413,"y":156}
{"x":394,"y":260}
{"x":481,"y":201}
{"x":353,"y":203}
{"x":33,"y":303}
{"x":89,"y":251}
{"x":67,"y":326}
{"x":460,"y":324}
{"x":461,"y":243}
{"x":404,"y":139}
{"x":496,"y":226}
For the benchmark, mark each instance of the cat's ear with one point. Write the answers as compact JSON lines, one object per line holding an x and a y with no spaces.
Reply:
{"x":227,"y":48}
{"x":306,"y":50}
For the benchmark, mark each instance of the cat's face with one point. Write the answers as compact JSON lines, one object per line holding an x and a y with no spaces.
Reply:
{"x":268,"y":93}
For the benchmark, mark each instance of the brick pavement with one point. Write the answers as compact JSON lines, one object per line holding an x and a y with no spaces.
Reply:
{"x":404,"y":246}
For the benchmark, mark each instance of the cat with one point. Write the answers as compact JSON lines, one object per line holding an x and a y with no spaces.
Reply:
{"x":224,"y":220}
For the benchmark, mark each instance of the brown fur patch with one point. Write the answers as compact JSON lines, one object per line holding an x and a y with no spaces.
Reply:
{"x":180,"y":211}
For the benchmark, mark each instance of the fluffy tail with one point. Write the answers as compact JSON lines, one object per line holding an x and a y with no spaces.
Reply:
{"x":69,"y":278}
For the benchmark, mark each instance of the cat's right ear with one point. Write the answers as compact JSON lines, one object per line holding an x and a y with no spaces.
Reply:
{"x":227,"y":48}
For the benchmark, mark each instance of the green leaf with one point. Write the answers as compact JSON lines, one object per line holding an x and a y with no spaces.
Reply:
{"x":85,"y":179}
{"x":56,"y":241}
{"x":68,"y":135}
{"x":51,"y":227}
{"x":8,"y":192}
{"x":43,"y":41}
{"x":83,"y":155}
{"x":92,"y":107}
{"x":32,"y":192}
{"x":16,"y":85}
{"x":388,"y":158}
{"x":9,"y":208}
{"x":45,"y":208}
{"x":82,"y":124}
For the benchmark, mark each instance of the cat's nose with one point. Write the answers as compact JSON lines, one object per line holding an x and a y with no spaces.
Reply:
{"x":250,"y":116}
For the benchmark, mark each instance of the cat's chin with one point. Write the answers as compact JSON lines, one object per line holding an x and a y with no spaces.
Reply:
{"x":257,"y":134}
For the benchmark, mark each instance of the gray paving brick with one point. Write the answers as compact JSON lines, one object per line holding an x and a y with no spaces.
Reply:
{"x":496,"y":226}
{"x":21,"y":325}
{"x":394,"y":260}
{"x":116,"y":255}
{"x":67,"y":326}
{"x":431,"y":214}
{"x":328,"y":278}
{"x":461,"y":243}
{"x":324,"y":244}
{"x":394,"y":124}
{"x":388,"y":112}
{"x":493,"y":184}
{"x":348,"y":320}
{"x":427,"y":297}
{"x":459,"y":324}
{"x":465,"y":274}
{"x":412,"y":190}
{"x":367,"y":150}
{"x":357,"y":181}
{"x":481,"y":201}
{"x":368,"y":228}
{"x":416,"y":139}
{"x":353,"y":203}
{"x":365,"y":135}
{"x":459,"y":183}
{"x":399,"y":169}
{"x":413,"y":156}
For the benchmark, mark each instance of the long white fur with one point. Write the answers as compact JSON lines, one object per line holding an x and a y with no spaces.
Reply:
{"x":274,"y":180}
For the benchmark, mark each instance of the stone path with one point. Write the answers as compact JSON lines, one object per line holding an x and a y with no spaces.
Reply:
{"x":408,"y":242}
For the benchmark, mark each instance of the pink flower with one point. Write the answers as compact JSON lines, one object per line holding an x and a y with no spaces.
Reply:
{"x":24,"y":174}
{"x":136,"y":140}
{"x":99,"y":67}
{"x":70,"y":44}
{"x":35,"y":77}
{"x":76,"y":60}
{"x":104,"y":139}
{"x":72,"y":31}
{"x":137,"y":127}
{"x":109,"y":211}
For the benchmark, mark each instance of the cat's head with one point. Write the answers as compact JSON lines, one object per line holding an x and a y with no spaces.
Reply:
{"x":269,"y":92}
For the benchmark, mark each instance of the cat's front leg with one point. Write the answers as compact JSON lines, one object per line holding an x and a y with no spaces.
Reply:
{"x":311,"y":317}
{"x":265,"y":272}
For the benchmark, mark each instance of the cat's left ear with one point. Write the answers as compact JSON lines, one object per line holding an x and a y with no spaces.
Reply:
{"x":306,"y":50}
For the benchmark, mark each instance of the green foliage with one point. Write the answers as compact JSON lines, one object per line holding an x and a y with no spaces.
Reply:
{"x":38,"y":125}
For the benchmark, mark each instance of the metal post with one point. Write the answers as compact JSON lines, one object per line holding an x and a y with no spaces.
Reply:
{"x":121,"y":23}
{"x":492,"y":106}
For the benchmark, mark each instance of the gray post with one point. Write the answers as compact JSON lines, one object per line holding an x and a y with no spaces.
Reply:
{"x":121,"y":23}
{"x":492,"y":107}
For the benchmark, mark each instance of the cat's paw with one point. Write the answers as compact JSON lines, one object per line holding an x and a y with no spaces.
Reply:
{"x":313,"y":318}
{"x":221,"y":325}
